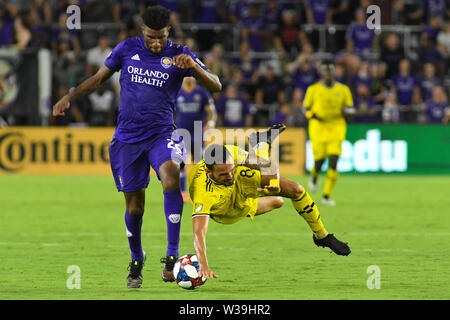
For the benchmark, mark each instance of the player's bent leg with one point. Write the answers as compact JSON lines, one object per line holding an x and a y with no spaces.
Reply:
{"x":304,"y":205}
{"x":330,"y":181}
{"x":268,"y":136}
{"x":267,"y":204}
{"x":307,"y":208}
{"x":315,"y":171}
{"x":135,"y":202}
{"x":169,"y":174}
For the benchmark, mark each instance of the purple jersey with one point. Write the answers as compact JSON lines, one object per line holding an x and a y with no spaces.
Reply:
{"x":427,"y":85}
{"x":361,"y":36}
{"x":405,"y":87}
{"x":319,"y":9}
{"x":436,"y":111}
{"x":303,"y":79}
{"x":356,"y":80}
{"x":172,"y":5}
{"x":240,"y":9}
{"x":248,"y":68}
{"x":367,"y":103}
{"x":6,"y":30}
{"x":233,"y":111}
{"x":255,"y":24}
{"x":206,"y":12}
{"x":149,"y":85}
{"x":191,"y":107}
{"x":431,"y":7}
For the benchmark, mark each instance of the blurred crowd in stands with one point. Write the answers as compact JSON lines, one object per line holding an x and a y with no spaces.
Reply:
{"x":266,"y":53}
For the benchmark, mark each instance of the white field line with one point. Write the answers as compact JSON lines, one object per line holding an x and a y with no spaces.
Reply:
{"x":227,"y":234}
{"x":211,"y":234}
{"x":125,"y":246}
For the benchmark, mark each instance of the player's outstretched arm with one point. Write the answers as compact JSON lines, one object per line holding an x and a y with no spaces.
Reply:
{"x":209,"y":80}
{"x":86,"y":87}
{"x":200,"y":225}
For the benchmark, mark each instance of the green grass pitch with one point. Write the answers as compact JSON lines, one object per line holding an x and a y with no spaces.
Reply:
{"x":399,"y":223}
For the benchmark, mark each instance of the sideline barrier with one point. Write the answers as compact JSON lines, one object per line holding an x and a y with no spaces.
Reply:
{"x":84,"y":151}
{"x":368,"y":148}
{"x":393,"y":148}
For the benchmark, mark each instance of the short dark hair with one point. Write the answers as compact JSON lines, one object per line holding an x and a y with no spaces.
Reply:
{"x":156,"y":17}
{"x":215,"y":154}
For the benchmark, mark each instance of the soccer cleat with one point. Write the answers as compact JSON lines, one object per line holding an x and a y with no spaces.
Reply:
{"x":328,"y":201}
{"x":134,"y":279}
{"x":312,"y":185}
{"x":167,"y":272}
{"x":268,"y":135}
{"x":330,"y":241}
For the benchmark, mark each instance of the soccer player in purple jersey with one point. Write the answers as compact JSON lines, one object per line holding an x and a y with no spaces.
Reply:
{"x":152,"y":70}
{"x":194,"y":106}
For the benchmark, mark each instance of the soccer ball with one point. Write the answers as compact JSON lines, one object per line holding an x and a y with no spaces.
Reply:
{"x":185,"y":272}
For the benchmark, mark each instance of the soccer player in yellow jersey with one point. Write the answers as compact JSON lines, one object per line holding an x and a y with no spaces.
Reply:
{"x":230,"y":184}
{"x":327,"y":102}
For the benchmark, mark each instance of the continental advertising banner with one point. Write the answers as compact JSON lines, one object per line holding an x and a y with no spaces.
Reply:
{"x":393,"y":148}
{"x":84,"y":151}
{"x":54,"y":150}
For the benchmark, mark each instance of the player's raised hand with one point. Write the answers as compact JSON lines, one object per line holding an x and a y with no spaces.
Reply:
{"x":183,"y":61}
{"x":207,"y":273}
{"x":61,"y":106}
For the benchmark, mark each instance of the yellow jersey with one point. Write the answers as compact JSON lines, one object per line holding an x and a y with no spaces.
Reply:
{"x":327,"y":104}
{"x":225,"y":204}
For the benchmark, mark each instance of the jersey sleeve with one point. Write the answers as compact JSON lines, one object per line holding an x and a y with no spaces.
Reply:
{"x":308,"y":100}
{"x":201,"y":208}
{"x":203,"y":201}
{"x":189,"y":72}
{"x":239,"y":155}
{"x":114,"y":60}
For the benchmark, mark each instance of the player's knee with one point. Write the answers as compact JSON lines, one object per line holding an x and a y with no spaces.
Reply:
{"x":297,"y":190}
{"x":169,"y":174}
{"x":135,"y":211}
{"x":277,"y":202}
{"x":170,"y":183}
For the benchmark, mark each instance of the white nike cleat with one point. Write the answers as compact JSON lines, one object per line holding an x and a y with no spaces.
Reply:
{"x":328,"y":202}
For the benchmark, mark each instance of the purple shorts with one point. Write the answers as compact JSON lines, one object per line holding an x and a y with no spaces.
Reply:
{"x":131,"y":162}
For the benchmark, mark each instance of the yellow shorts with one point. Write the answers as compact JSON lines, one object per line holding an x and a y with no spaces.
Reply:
{"x":245,"y":197}
{"x":322,"y":150}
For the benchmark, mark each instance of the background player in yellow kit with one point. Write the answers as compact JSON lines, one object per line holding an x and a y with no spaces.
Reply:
{"x":326,"y":103}
{"x":228,"y":185}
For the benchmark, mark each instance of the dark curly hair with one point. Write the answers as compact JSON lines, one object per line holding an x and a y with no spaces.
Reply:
{"x":216,"y":154}
{"x":156,"y":17}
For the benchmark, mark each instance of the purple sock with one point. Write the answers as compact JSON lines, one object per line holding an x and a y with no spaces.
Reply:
{"x":134,"y":225}
{"x":182,"y":179}
{"x":173,"y":208}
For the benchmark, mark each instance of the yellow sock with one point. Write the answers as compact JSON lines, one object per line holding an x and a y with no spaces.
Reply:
{"x":330,"y":182}
{"x":306,"y":207}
